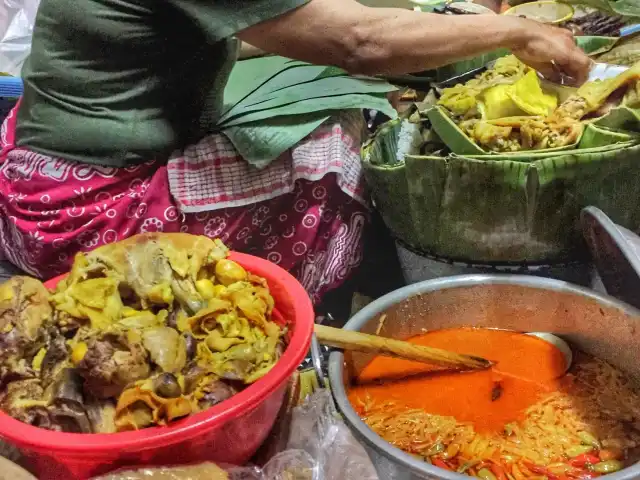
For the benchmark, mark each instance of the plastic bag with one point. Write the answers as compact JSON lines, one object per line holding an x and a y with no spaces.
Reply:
{"x":205,"y":471}
{"x":318,"y":430}
{"x":17,"y":18}
{"x":320,"y":447}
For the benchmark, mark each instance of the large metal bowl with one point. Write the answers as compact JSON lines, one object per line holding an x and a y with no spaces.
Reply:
{"x":594,"y":323}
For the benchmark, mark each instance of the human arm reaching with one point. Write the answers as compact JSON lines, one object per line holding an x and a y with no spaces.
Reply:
{"x":367,"y":40}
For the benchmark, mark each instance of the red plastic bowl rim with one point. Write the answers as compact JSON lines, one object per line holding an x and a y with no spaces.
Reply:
{"x":28,"y":436}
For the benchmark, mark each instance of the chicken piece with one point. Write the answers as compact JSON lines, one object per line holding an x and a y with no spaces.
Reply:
{"x":490,"y":136}
{"x":575,"y":107}
{"x":24,"y":308}
{"x":157,"y":267}
{"x":538,"y":134}
{"x":148,"y":270}
{"x":23,"y":401}
{"x":111,"y":363}
{"x":166,"y":347}
{"x":93,"y":265}
{"x":152,"y":278}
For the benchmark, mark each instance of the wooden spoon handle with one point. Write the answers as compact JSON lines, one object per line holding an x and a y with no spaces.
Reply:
{"x":362,"y":342}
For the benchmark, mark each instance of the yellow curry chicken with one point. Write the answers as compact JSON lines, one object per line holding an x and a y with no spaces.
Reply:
{"x":140,"y":333}
{"x":506,"y":108}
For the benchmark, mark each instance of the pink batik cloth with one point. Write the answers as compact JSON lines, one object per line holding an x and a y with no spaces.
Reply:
{"x":305,"y":212}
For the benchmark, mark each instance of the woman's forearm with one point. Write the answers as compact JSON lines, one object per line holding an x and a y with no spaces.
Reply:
{"x":400,"y":42}
{"x":380,"y":40}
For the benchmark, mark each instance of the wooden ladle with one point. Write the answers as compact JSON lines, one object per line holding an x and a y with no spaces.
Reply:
{"x":365,"y":343}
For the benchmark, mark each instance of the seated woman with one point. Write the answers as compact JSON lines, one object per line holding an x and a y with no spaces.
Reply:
{"x":113,"y":134}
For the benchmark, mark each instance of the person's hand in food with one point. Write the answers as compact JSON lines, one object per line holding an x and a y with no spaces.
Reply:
{"x":552,"y":52}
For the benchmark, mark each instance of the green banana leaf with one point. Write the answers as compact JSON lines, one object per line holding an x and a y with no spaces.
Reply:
{"x":595,"y":137}
{"x":387,"y":177}
{"x":627,"y":8}
{"x":321,"y":88}
{"x":323,"y":92}
{"x":249,"y":75}
{"x":293,"y":75}
{"x":271,"y":103}
{"x":594,"y":46}
{"x":431,"y":5}
{"x":459,"y":68}
{"x":625,"y":52}
{"x":267,"y":139}
{"x":621,"y":118}
{"x":500,"y":210}
{"x":458,"y":141}
{"x":534,"y":155}
{"x":382,"y":147}
{"x":340,"y":102}
{"x":267,"y":87}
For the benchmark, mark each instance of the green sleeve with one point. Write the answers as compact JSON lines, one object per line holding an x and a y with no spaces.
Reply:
{"x":222,"y":19}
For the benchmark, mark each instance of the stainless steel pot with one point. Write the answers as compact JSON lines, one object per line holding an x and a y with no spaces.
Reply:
{"x":594,"y":323}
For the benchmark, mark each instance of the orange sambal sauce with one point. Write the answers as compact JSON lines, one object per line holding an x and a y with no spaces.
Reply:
{"x":525,"y":368}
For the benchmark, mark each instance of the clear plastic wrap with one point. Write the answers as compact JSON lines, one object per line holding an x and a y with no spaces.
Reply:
{"x":319,"y":447}
{"x":17,"y":18}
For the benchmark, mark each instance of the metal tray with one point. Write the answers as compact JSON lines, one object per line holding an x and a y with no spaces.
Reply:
{"x":616,"y":254}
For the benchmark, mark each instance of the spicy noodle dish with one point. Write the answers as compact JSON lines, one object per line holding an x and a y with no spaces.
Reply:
{"x":523,"y":418}
{"x":140,"y":333}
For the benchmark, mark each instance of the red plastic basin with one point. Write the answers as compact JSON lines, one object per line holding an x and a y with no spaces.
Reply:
{"x":230,"y":432}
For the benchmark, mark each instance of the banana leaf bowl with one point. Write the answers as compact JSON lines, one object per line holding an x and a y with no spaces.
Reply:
{"x":464,"y":203}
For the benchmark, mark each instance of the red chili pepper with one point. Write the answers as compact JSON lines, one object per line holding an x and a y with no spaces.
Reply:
{"x":581,"y":460}
{"x":582,"y":475}
{"x":498,"y":471}
{"x":588,"y":475}
{"x":541,"y":471}
{"x":440,"y":464}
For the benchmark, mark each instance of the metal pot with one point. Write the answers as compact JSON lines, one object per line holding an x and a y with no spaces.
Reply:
{"x":594,"y":323}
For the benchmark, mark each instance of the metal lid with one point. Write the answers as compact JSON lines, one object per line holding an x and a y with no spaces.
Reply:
{"x":616,"y":254}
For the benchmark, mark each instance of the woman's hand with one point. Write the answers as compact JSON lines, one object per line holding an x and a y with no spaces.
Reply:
{"x":552,"y":52}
